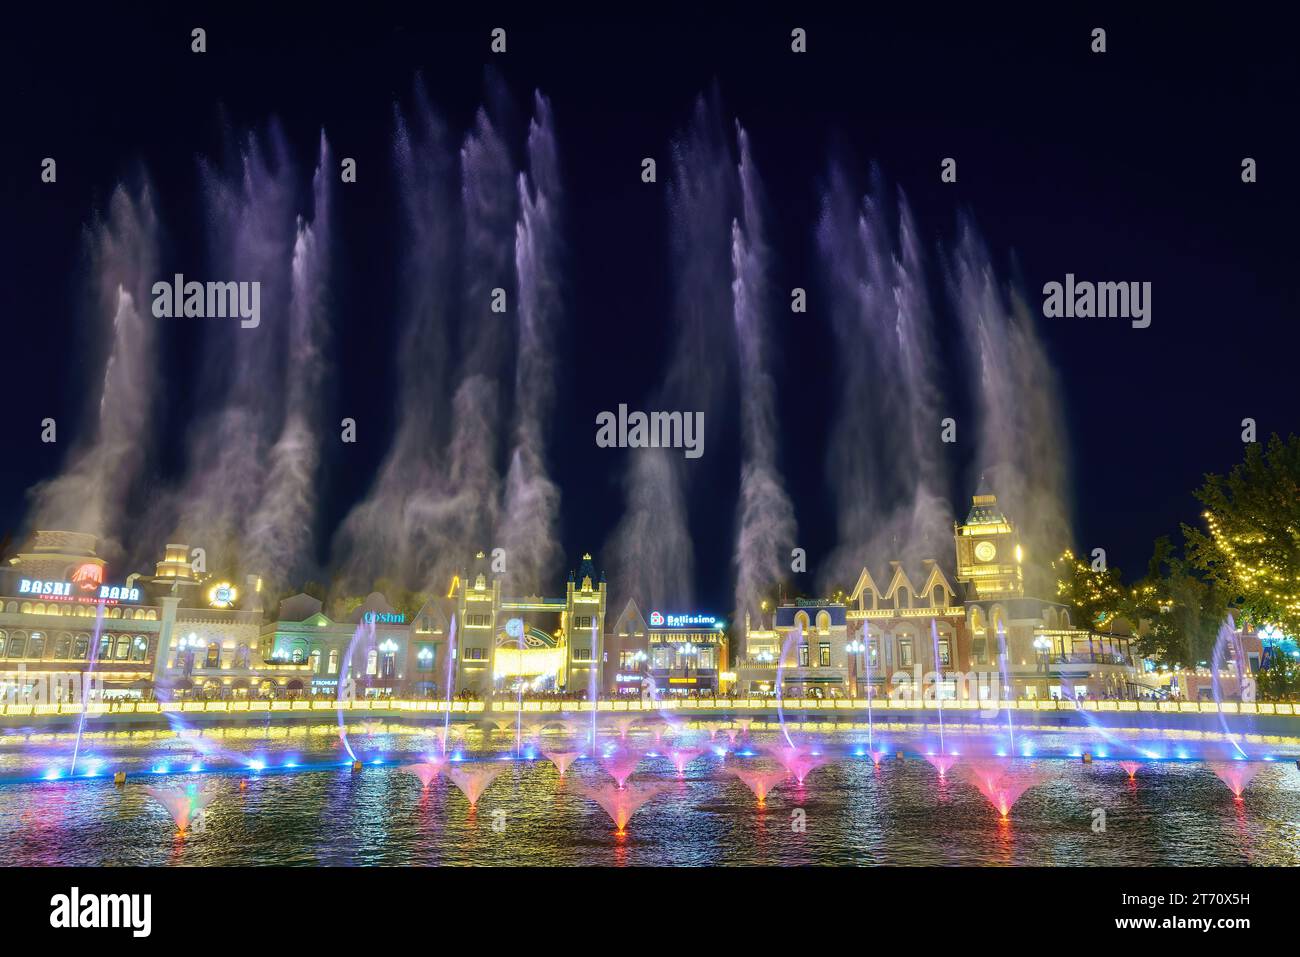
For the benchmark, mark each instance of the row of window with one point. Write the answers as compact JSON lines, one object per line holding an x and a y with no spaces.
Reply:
{"x":69,"y":647}
{"x":79,"y":610}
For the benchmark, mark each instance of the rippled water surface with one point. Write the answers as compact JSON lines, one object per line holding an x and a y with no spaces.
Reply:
{"x":902,"y":812}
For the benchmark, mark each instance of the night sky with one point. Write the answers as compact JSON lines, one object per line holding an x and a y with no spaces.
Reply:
{"x":1122,"y":166}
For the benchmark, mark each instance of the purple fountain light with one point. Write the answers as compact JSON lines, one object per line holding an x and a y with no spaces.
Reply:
{"x":183,"y":804}
{"x":682,"y":757}
{"x":621,"y":763}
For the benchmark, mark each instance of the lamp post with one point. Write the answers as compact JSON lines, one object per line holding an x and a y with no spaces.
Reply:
{"x":854,"y":648}
{"x":1042,"y":644}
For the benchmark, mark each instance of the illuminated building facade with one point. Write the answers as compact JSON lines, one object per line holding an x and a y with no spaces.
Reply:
{"x":626,"y":664}
{"x":687,"y":652}
{"x":534,"y":643}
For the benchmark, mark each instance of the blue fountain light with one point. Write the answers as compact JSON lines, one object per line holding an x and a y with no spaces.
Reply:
{"x":53,"y":774}
{"x":160,"y":769}
{"x":196,"y":767}
{"x":256,"y":765}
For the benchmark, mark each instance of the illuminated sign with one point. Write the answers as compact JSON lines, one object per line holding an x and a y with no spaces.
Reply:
{"x":660,"y":620}
{"x":76,"y":591}
{"x":222,"y":595}
{"x":383,"y":618}
{"x":88,"y":577}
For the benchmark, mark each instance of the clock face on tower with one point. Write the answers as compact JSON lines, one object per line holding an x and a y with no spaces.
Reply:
{"x":985,"y":551}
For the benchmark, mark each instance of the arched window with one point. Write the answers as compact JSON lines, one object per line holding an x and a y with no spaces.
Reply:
{"x":314,"y":658}
{"x":36,"y":647}
{"x":241,"y":655}
{"x":17,"y":644}
{"x":823,"y":622}
{"x":334,"y":662}
{"x":112,"y":613}
{"x":25,"y":608}
{"x":63,"y":646}
{"x":372,"y":662}
{"x":139,"y":648}
{"x":298,"y":654}
{"x":213,"y":660}
{"x":122,"y":650}
{"x":151,"y":614}
{"x":4,"y":643}
{"x":81,"y":647}
{"x":801,"y":620}
{"x":105,"y":647}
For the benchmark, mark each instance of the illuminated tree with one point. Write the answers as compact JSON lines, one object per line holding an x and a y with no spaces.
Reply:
{"x":1252,"y":544}
{"x":1097,"y":593}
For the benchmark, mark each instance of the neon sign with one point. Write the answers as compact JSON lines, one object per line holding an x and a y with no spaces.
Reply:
{"x":660,"y":620}
{"x":383,"y":618}
{"x":76,"y":590}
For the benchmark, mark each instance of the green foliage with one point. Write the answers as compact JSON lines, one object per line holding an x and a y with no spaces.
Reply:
{"x":1252,"y":549}
{"x":1281,"y":679}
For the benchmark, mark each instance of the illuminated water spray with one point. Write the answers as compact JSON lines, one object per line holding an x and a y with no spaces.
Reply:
{"x":85,"y":683}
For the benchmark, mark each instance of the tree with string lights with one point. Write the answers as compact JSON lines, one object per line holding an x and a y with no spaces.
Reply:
{"x":1251,"y":545}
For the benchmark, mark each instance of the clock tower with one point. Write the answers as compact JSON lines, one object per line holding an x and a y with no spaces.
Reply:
{"x":988,"y":550}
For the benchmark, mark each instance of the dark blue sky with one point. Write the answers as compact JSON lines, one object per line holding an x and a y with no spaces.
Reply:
{"x":1123,"y":166}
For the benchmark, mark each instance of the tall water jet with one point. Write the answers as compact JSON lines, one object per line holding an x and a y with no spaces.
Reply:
{"x":400,"y":523}
{"x":92,"y":491}
{"x":278,"y":535}
{"x":473,"y":779}
{"x":250,"y":201}
{"x":621,"y":803}
{"x":652,"y":550}
{"x":532,"y":499}
{"x":1020,"y":422}
{"x":884,"y":468}
{"x":765,"y":517}
{"x":1004,"y":671}
{"x":1227,"y":640}
{"x":938,"y":686}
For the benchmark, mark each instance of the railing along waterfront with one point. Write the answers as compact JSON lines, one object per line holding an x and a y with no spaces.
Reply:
{"x":724,"y":705}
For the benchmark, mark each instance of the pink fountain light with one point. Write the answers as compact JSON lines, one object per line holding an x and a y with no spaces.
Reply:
{"x":942,"y":762}
{"x":1131,"y":768}
{"x":682,"y":757}
{"x":621,"y":763}
{"x":426,"y":771}
{"x":561,"y":759}
{"x":621,"y":803}
{"x":760,"y":782}
{"x":473,"y":779}
{"x":876,"y":756}
{"x":732,"y":733}
{"x":799,"y":762}
{"x":182,"y":804}
{"x":624,"y":725}
{"x":1237,"y":775}
{"x":1001,"y":787}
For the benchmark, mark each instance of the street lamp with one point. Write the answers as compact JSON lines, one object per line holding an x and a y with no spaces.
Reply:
{"x":1042,"y":644}
{"x":854,"y":648}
